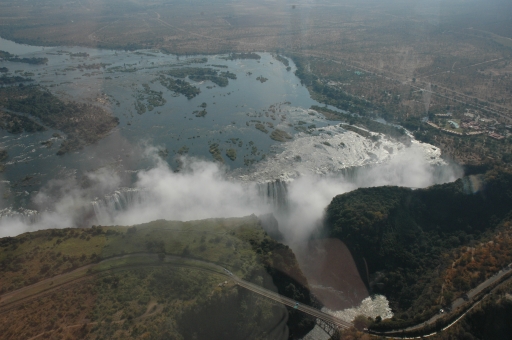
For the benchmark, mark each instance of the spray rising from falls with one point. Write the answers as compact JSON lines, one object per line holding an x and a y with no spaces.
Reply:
{"x":200,"y":190}
{"x":206,"y":190}
{"x":25,"y":216}
{"x":271,"y":196}
{"x":121,"y":200}
{"x":274,"y":194}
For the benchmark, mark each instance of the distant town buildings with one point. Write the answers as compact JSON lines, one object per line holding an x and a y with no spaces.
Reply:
{"x":448,"y":114}
{"x":496,"y":136}
{"x":453,"y":124}
{"x":445,"y":130}
{"x":486,"y":120}
{"x":471,"y":123}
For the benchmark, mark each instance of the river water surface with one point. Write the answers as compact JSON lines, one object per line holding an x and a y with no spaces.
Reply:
{"x":115,"y":79}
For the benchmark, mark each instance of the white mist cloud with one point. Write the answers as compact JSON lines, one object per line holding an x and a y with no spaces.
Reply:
{"x":410,"y":169}
{"x":62,"y":203}
{"x":309,"y":195}
{"x":202,"y":190}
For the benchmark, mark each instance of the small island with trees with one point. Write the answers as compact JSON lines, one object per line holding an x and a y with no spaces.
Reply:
{"x":83,"y":124}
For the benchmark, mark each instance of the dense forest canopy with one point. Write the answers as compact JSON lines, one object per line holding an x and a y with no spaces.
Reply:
{"x":402,"y":237}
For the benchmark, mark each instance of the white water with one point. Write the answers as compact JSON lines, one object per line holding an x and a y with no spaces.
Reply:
{"x":301,"y":178}
{"x":334,"y":151}
{"x":371,"y":307}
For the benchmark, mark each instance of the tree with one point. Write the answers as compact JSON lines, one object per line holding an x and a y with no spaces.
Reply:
{"x":361,"y":322}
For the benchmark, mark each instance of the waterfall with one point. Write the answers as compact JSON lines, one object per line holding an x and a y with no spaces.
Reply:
{"x":274,"y":193}
{"x":350,"y":173}
{"x":25,"y":216}
{"x":123,"y":199}
{"x":104,"y":208}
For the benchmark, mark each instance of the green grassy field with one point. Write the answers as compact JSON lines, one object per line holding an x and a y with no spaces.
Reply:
{"x":31,"y":257}
{"x":155,"y":280}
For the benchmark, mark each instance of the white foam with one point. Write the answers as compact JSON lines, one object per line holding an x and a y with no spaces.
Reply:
{"x":334,"y":150}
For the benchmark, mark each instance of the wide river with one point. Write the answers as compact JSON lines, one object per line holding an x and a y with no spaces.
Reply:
{"x":265,"y":96}
{"x":117,"y":80}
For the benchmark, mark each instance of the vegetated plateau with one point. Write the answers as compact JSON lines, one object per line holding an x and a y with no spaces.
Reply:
{"x":150,"y":280}
{"x":444,"y":77}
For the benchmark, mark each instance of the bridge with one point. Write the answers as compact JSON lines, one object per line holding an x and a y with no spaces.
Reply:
{"x":327,"y":322}
{"x":328,"y":327}
{"x":330,"y":324}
